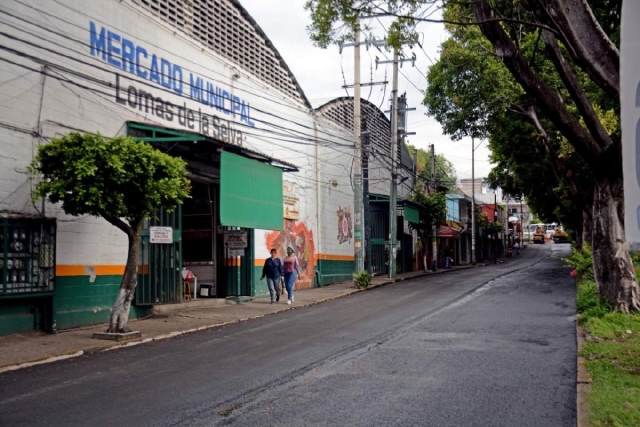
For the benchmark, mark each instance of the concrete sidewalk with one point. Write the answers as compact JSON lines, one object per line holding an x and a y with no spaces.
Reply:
{"x":23,"y":350}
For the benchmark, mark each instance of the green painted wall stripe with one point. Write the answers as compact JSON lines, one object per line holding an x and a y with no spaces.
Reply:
{"x":334,"y":271}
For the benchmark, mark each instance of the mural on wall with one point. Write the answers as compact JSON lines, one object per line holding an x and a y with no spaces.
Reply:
{"x":345,"y":224}
{"x":297,"y":235}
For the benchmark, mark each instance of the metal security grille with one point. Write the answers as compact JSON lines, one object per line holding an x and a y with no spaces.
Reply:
{"x":379,"y":252}
{"x":225,"y":27}
{"x":160,"y":267}
{"x":28,"y":256}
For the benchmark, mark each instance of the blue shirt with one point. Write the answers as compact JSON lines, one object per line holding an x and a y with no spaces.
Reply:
{"x":273,"y":268}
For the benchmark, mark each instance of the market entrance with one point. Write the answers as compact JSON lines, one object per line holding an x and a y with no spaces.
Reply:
{"x":210,"y":251}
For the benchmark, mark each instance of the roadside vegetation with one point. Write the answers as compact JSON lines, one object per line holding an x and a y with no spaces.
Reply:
{"x":611,"y":350}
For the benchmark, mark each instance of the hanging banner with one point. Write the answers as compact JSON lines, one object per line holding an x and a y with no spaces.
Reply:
{"x":290,"y":200}
{"x":630,"y":107}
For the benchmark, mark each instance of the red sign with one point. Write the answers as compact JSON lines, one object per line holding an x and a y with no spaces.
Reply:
{"x":445,"y":231}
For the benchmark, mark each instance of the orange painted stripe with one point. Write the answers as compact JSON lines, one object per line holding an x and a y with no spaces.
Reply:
{"x":109,"y":270}
{"x":70,"y":270}
{"x":79,"y":270}
{"x":330,"y":257}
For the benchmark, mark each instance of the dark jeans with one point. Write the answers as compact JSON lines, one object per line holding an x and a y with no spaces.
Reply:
{"x":447,"y":263}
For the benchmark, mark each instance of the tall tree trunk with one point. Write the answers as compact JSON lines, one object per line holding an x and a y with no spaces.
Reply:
{"x":120,"y":310}
{"x":587,"y":225}
{"x":578,"y":235}
{"x":424,"y":238}
{"x":612,"y":265}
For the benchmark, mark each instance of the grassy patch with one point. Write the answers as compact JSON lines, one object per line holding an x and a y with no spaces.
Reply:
{"x":612,"y":358}
{"x":588,"y":301}
{"x":611,"y":351}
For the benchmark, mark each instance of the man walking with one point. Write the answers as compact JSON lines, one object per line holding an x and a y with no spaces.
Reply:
{"x":274,"y":272}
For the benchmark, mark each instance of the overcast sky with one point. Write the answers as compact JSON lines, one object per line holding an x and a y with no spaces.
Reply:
{"x":320,"y":73}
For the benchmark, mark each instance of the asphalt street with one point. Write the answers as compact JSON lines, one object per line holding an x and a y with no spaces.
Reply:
{"x":486,"y":346}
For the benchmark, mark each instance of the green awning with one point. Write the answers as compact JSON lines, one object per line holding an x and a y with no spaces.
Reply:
{"x":250,"y":193}
{"x":411,"y":214}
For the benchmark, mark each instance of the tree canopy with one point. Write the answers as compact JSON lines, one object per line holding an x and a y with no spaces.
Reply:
{"x":541,"y":80}
{"x":109,"y":178}
{"x":445,"y":173}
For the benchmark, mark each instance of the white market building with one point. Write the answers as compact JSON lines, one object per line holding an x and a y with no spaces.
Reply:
{"x":195,"y":78}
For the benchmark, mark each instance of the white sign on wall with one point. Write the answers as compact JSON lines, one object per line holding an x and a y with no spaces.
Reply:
{"x":290,"y":201}
{"x":630,"y":100}
{"x":235,"y":239}
{"x":160,"y":234}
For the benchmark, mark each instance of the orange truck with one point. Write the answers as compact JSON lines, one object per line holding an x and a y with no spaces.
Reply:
{"x":539,"y":235}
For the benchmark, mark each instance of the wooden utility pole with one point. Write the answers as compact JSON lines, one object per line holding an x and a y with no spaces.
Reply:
{"x":358,"y":207}
{"x":358,"y":204}
{"x":473,"y":201}
{"x":434,"y":227}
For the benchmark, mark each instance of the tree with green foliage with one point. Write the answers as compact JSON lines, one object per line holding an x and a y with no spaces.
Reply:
{"x":445,"y":171}
{"x":118,"y":179}
{"x":433,"y":211}
{"x":556,"y":65}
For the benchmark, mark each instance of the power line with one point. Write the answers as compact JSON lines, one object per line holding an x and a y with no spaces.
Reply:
{"x":107,"y":84}
{"x":62,"y":80}
{"x":146,"y":83}
{"x":134,"y":79}
{"x":150,"y":43}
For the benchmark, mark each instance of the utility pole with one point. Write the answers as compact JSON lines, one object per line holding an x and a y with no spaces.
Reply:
{"x":357,"y":159}
{"x":521,"y":224}
{"x":506,"y":226}
{"x":434,"y":226}
{"x":393,"y":194}
{"x":495,"y":219}
{"x":393,"y":197}
{"x":473,"y":201}
{"x":358,"y":205}
{"x":365,"y":197}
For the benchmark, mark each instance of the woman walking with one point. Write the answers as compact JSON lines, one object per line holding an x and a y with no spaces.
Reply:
{"x":291,"y":270}
{"x":274,"y":271}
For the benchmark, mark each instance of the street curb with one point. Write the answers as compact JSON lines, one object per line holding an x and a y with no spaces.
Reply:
{"x":29,"y":364}
{"x":583,"y":382}
{"x":102,"y":349}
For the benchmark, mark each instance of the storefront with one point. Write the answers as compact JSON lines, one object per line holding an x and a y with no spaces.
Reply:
{"x":448,"y":244}
{"x":234,"y":191}
{"x":266,"y":170}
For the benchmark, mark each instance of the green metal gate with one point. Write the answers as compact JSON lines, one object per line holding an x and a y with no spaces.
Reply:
{"x":238,"y":272}
{"x":160,"y":269}
{"x":160,"y":266}
{"x":379,"y":229}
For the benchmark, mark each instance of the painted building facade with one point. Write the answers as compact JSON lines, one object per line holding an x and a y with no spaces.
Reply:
{"x":196,"y":79}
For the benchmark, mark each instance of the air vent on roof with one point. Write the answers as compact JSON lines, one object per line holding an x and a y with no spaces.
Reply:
{"x":219,"y":25}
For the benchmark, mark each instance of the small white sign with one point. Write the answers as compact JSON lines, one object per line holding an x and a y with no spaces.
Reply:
{"x":235,"y":239}
{"x":236,"y":252}
{"x":160,"y":234}
{"x":290,"y":201}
